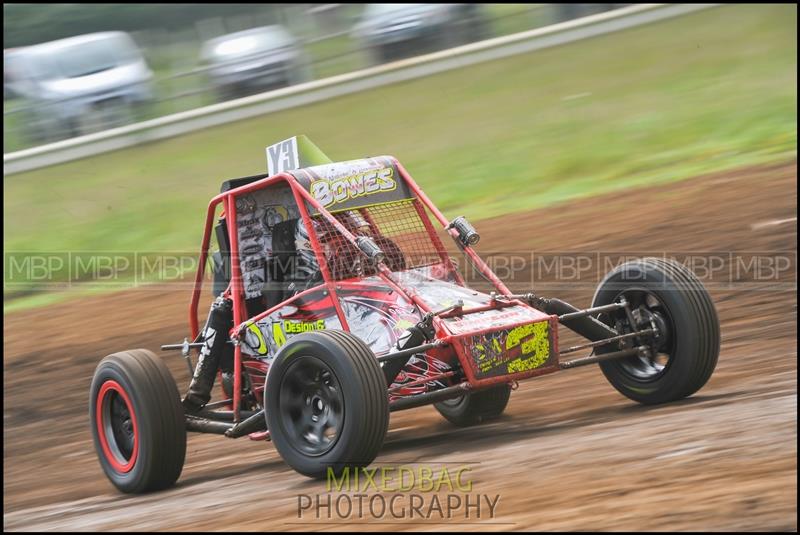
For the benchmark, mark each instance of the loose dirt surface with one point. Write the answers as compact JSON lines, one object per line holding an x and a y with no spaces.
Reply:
{"x":570,"y":453}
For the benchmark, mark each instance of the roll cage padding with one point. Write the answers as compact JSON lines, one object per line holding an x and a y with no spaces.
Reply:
{"x":221,"y":260}
{"x":234,"y":183}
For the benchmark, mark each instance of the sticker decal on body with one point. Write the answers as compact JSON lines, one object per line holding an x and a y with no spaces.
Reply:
{"x":354,"y":184}
{"x":282,"y":156}
{"x":339,"y":190}
{"x":519,"y":349}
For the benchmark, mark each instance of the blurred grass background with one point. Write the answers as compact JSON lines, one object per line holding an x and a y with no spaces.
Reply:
{"x":703,"y":92}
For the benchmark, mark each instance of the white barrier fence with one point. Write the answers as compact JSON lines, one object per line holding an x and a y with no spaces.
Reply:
{"x":299,"y":95}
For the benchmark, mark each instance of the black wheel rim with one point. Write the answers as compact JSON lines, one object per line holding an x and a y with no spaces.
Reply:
{"x":116,"y":427}
{"x":119,"y":426}
{"x":311,"y":405}
{"x":648,"y":312}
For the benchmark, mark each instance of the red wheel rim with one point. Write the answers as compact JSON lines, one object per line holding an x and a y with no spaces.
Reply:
{"x":105,"y":427}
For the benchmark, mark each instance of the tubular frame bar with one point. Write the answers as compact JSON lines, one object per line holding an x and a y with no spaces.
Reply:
{"x":592,"y":359}
{"x":476,"y":260}
{"x":419,"y":400}
{"x":412,"y":351}
{"x":221,"y":416}
{"x":607,"y":341}
{"x":593,"y":310}
{"x":203,"y":425}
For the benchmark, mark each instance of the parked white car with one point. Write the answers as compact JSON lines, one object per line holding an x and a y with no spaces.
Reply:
{"x":392,"y":31}
{"x":79,"y":84}
{"x":254,"y":60}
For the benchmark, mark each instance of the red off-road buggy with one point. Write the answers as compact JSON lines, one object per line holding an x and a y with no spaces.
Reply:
{"x":337,"y":303}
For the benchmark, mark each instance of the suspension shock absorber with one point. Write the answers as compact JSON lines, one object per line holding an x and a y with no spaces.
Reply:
{"x":216,"y":352}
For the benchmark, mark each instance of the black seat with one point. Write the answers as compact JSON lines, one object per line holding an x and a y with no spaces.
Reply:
{"x":282,"y":278}
{"x":279,"y":267}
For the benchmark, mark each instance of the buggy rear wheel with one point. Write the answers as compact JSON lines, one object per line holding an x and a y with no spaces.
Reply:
{"x":327,"y":404}
{"x":665,"y":295}
{"x":138,"y":423}
{"x":475,"y":407}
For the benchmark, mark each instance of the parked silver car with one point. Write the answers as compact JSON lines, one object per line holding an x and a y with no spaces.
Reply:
{"x":392,"y":31}
{"x":254,"y":60}
{"x":80,"y":84}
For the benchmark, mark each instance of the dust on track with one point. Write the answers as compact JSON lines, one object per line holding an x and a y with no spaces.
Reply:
{"x":569,"y":454}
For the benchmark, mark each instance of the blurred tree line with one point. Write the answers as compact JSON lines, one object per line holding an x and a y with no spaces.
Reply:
{"x":28,"y":24}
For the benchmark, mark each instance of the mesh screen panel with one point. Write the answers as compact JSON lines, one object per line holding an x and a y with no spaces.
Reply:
{"x":395,"y":227}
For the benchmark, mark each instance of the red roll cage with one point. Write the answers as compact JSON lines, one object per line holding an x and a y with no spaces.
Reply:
{"x":302,"y":196}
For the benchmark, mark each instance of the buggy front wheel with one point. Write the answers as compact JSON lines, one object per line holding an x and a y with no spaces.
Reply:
{"x":137,"y":420}
{"x":667,"y":297}
{"x":326,"y":402}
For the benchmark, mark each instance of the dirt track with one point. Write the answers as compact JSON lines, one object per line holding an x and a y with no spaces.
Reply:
{"x":569,"y":454}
